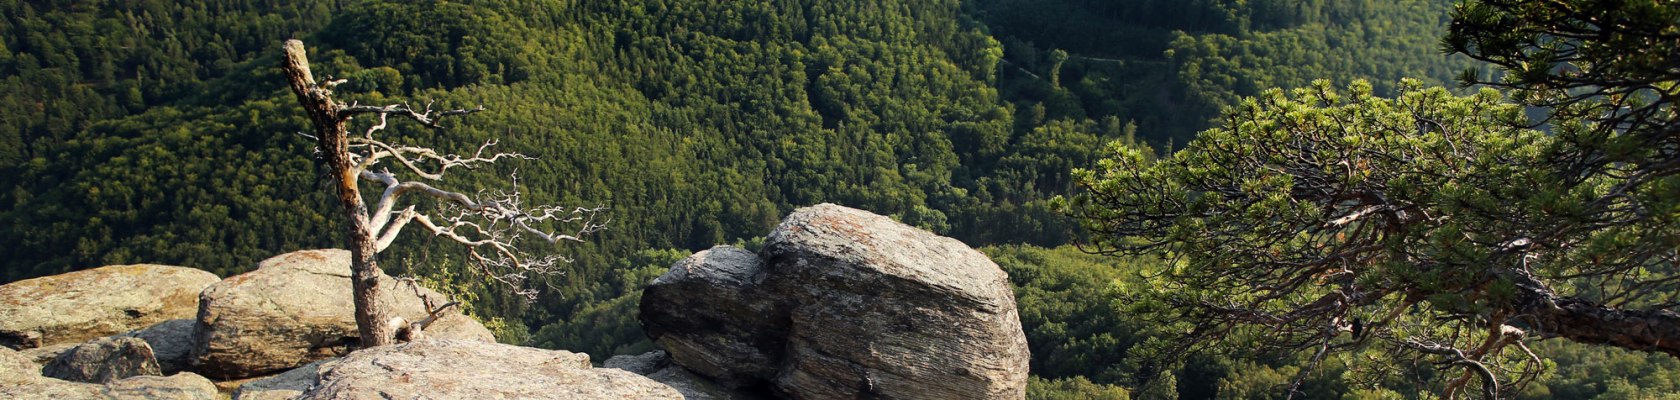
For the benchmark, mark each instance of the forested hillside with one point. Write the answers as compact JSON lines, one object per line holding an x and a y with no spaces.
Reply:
{"x":1170,"y":65}
{"x":162,"y":131}
{"x":158,"y":131}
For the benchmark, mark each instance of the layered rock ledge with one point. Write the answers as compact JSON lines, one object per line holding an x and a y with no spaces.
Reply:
{"x":77,"y":306}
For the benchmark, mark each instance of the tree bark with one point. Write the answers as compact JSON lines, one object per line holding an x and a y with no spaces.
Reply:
{"x":1582,"y":321}
{"x":333,"y":142}
{"x":1586,"y":322}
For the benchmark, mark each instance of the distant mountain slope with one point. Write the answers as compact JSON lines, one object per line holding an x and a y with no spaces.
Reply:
{"x":1171,"y":65}
{"x":161,"y":132}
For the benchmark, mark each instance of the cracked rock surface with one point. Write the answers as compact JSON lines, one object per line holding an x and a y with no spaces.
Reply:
{"x":296,"y":308}
{"x":844,"y":304}
{"x":459,"y":369}
{"x":77,"y":306}
{"x":182,"y":386}
{"x":104,"y":360}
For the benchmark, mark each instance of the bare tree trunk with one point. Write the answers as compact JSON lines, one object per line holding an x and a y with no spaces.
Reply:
{"x":333,"y":142}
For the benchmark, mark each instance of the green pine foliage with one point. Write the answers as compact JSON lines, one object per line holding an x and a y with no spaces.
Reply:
{"x":1089,"y":340}
{"x":1077,"y":388}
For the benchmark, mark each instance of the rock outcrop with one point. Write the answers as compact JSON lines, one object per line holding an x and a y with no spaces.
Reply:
{"x":842,"y":303}
{"x":461,"y":369}
{"x":77,"y":306}
{"x":104,"y":360}
{"x":294,"y":309}
{"x":182,"y":386}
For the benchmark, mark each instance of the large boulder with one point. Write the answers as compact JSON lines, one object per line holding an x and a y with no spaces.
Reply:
{"x":182,"y":386}
{"x":294,"y":309}
{"x":845,"y":304}
{"x":710,"y":314}
{"x":104,"y":360}
{"x":883,"y":308}
{"x":461,"y":369}
{"x":77,"y":306}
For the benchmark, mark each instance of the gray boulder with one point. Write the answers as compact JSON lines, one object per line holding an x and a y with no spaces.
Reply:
{"x":77,"y":306}
{"x":863,"y":307}
{"x":294,"y":309}
{"x":885,"y":309}
{"x":104,"y":360}
{"x":182,"y":386}
{"x":171,"y":341}
{"x":710,"y":314}
{"x":460,"y":369}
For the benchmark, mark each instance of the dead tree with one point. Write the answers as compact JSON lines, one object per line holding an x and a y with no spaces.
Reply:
{"x":489,"y":224}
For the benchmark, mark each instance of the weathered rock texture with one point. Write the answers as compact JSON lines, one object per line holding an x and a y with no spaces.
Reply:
{"x":656,"y":365}
{"x":285,"y":386}
{"x":844,"y":304}
{"x":104,"y":360}
{"x":43,"y":355}
{"x":460,"y":369}
{"x":182,"y":386}
{"x":708,"y":311}
{"x":171,"y":341}
{"x":17,"y":369}
{"x":456,"y":325}
{"x":696,"y":387}
{"x":643,"y":364}
{"x":82,"y":305}
{"x":294,"y":309}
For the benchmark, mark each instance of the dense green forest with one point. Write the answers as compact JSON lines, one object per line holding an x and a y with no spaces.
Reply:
{"x":162,"y":132}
